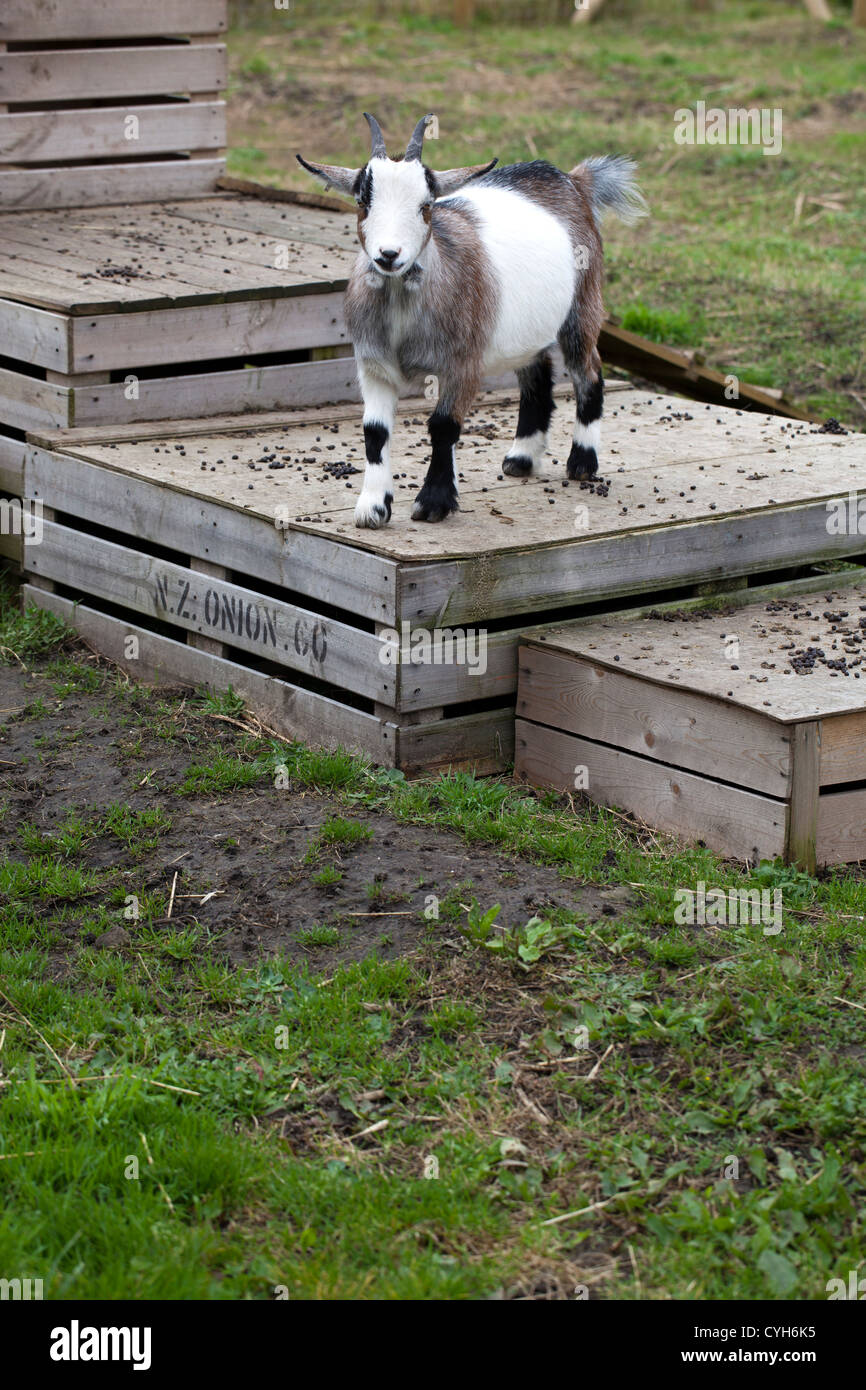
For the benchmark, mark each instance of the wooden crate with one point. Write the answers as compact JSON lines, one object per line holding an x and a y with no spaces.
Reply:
{"x":184,"y":535}
{"x":705,"y":724}
{"x":210,"y":306}
{"x":110,"y":103}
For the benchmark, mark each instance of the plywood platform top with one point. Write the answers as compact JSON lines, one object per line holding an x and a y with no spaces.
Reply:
{"x":665,"y":462}
{"x":791,"y":658}
{"x":150,"y":255}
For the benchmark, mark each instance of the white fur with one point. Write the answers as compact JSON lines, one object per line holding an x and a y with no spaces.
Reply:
{"x":533,"y":260}
{"x":394,"y":222}
{"x":380,"y":405}
{"x":588,"y":435}
{"x":531,"y":446}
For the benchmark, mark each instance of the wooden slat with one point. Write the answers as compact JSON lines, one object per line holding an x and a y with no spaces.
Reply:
{"x":45,"y":20}
{"x":737,"y":823}
{"x":805,"y":782}
{"x":12,"y":453}
{"x":843,"y":748}
{"x":499,"y":585}
{"x":108,"y":183}
{"x":333,"y":574}
{"x":208,"y":393}
{"x":34,"y":336}
{"x":199,"y":603}
{"x":484,"y":742}
{"x":678,"y":727}
{"x":151,"y":337}
{"x":69,"y":74}
{"x":33,"y":137}
{"x":26,"y":403}
{"x":842,"y":827}
{"x":290,"y":710}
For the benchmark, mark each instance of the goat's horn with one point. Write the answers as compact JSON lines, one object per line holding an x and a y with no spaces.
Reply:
{"x":416,"y":143}
{"x":378,"y":149}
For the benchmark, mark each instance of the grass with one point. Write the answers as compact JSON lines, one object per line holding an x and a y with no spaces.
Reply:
{"x":403,"y":1128}
{"x":753,"y":259}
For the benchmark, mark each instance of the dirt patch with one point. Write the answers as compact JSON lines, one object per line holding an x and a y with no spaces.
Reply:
{"x":247,"y":865}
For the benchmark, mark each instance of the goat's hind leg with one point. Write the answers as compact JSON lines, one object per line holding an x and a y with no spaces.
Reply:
{"x":373,"y":508}
{"x":533,"y":419}
{"x":589,"y":391}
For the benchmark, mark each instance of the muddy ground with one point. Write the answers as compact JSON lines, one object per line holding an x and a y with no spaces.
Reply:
{"x":239,"y":856}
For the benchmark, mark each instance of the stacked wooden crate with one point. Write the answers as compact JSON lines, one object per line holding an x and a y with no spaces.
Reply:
{"x":99,"y":104}
{"x":236,"y":538}
{"x":110,"y":103}
{"x":744,"y":728}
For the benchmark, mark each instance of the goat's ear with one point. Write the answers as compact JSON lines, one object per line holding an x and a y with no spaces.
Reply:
{"x":452,"y":179}
{"x":333,"y":176}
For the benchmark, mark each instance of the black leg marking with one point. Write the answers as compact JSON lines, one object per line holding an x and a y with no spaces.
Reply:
{"x":583,"y":459}
{"x":438,"y":496}
{"x":375,"y":439}
{"x":536,"y":408}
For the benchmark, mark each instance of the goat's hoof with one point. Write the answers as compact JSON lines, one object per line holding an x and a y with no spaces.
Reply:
{"x":517,"y":466}
{"x":582,"y":463}
{"x":434,"y":504}
{"x":373,"y":511}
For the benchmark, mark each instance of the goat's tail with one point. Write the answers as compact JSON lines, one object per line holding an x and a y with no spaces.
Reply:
{"x":607,"y":181}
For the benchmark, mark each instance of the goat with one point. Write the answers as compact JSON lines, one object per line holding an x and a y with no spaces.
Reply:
{"x":467,"y":272}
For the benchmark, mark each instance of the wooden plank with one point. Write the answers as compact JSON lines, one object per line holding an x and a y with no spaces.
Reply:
{"x":207,"y":393}
{"x":12,"y":549}
{"x":12,"y":452}
{"x":312,"y":566}
{"x":678,"y":727}
{"x":505,"y":584}
{"x":286,"y":708}
{"x":740,"y":824}
{"x":27,"y":403}
{"x":843,"y":748}
{"x":841,"y":835}
{"x":684,"y":371}
{"x":34,"y":336}
{"x":45,"y":20}
{"x":215,"y":608}
{"x":151,"y":337}
{"x":34,"y":137}
{"x":484,"y":742}
{"x":805,"y":782}
{"x":84,"y":184}
{"x":69,"y":74}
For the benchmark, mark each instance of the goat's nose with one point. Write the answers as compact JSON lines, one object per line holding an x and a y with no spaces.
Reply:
{"x":387,"y":258}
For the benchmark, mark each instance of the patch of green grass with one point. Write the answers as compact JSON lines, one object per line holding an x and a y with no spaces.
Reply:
{"x":320,"y":934}
{"x":226,"y":702}
{"x":337,"y":833}
{"x":139,"y":831}
{"x":224,"y":773}
{"x":28,"y":633}
{"x":327,"y":878}
{"x":678,"y":327}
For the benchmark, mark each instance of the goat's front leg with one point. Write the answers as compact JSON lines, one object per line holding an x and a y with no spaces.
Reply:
{"x":373,"y":507}
{"x":438,"y":497}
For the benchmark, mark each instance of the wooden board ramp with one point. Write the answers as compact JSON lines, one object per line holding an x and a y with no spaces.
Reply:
{"x":110,"y":103}
{"x":239,"y":542}
{"x":744,"y":728}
